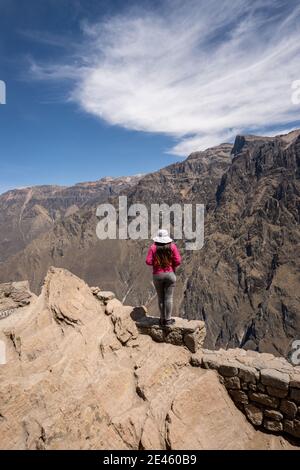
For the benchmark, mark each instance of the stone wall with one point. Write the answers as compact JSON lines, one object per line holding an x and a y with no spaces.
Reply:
{"x":266,"y":388}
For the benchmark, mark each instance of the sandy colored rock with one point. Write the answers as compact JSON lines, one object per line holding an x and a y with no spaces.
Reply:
{"x":77,"y":378}
{"x":124,"y":327}
{"x":248,"y":374}
{"x":111,"y":305}
{"x":195,"y":416}
{"x":275,"y":379}
{"x":105,"y":296}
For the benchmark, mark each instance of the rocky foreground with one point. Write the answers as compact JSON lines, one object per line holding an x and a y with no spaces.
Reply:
{"x":84,"y":371}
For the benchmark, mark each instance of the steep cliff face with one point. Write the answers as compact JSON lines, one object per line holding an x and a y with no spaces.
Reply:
{"x":245,"y":280}
{"x":80,"y":376}
{"x":243,"y":283}
{"x":193,"y":180}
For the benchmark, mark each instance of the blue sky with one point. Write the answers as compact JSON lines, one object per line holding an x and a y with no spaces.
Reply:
{"x":110,"y":87}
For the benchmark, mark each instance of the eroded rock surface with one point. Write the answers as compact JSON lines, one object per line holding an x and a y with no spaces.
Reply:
{"x":79,"y":377}
{"x":13,"y":296}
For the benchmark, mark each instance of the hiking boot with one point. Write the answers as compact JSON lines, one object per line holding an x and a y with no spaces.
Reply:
{"x":169,"y":322}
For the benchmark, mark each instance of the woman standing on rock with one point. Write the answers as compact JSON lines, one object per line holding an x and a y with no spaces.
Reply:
{"x":164,"y":256}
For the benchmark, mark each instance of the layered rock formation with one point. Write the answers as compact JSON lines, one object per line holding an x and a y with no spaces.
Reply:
{"x":28,"y":213}
{"x":80,"y":375}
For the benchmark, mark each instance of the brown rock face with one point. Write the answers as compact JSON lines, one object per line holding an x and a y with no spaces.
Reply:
{"x":74,"y":380}
{"x":244,"y":280}
{"x":26,"y":214}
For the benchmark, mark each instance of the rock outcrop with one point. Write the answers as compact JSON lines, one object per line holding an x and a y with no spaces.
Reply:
{"x":14,"y":295}
{"x":79,"y":375}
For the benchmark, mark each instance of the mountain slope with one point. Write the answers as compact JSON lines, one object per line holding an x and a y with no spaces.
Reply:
{"x":247,"y":285}
{"x":27,"y":213}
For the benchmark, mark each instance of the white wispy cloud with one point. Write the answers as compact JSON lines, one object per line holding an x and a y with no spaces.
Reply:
{"x":196,"y":70}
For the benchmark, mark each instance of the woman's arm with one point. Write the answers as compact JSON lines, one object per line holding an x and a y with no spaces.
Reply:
{"x":176,"y":256}
{"x":149,"y":258}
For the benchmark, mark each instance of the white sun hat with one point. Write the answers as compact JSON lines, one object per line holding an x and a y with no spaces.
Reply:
{"x":162,"y":236}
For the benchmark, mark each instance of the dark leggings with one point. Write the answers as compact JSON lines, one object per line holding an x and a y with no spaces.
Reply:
{"x":164,"y":284}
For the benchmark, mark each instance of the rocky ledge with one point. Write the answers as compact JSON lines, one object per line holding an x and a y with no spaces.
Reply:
{"x":182,"y":333}
{"x":266,"y":388}
{"x":188,"y":333}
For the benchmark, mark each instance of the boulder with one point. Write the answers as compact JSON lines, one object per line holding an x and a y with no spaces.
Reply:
{"x":295,"y":394}
{"x":276,"y":392}
{"x":264,"y":399}
{"x":111,"y":305}
{"x":232,"y":383}
{"x":292,"y":427}
{"x":273,"y":426}
{"x":95,"y":290}
{"x":229,"y":369}
{"x":288,"y":408}
{"x":273,"y":414}
{"x":254,"y":414}
{"x":105,"y":296}
{"x":274,"y":378}
{"x":248,"y":374}
{"x":239,"y":396}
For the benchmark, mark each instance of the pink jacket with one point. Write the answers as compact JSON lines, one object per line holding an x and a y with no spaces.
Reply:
{"x":176,"y":260}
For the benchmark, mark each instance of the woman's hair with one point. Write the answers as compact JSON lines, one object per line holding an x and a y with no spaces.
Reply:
{"x":163,"y":255}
